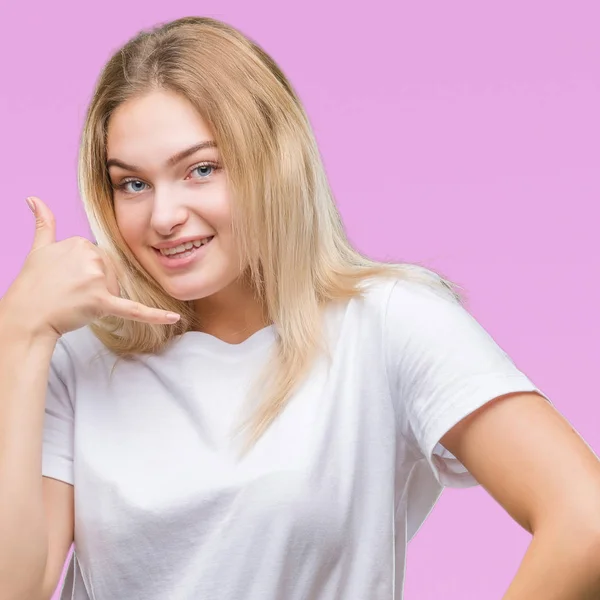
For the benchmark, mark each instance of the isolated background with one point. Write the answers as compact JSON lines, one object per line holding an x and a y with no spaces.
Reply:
{"x":463,"y":135}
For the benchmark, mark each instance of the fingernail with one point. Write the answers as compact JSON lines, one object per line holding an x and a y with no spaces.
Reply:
{"x":31,"y":203}
{"x":173,"y":317}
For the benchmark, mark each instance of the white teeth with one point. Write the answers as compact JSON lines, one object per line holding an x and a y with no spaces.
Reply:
{"x":184,"y":247}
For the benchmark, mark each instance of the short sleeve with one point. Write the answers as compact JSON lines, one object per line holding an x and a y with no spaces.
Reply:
{"x":442,"y":365}
{"x":57,"y":448}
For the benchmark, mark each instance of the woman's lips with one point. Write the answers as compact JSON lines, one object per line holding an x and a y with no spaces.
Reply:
{"x":183,"y":259}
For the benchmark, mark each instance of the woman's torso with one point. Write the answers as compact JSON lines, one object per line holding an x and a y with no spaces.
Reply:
{"x":163,"y":509}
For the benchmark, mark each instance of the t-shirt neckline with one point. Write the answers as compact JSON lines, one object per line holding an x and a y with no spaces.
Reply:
{"x":202,"y":340}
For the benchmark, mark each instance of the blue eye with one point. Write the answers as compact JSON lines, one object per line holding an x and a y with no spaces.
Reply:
{"x":139,"y":185}
{"x":197,"y":169}
{"x":124,"y":185}
{"x":201,"y":169}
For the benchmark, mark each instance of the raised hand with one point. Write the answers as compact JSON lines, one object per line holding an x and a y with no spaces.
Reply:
{"x":65,"y":285}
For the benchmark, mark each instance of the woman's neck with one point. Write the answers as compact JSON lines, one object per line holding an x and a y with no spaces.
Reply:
{"x":232,"y":314}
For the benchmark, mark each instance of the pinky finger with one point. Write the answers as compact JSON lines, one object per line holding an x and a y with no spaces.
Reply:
{"x":135,"y":311}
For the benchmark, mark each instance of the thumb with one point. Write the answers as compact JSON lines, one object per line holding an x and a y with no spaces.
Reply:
{"x":45,"y":228}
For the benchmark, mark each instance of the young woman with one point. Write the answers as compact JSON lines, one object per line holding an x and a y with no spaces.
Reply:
{"x":222,"y":399}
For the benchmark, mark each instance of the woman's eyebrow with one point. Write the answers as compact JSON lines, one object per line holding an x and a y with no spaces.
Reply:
{"x":171,"y":162}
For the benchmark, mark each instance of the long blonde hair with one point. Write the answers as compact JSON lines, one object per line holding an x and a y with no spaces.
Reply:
{"x":291,"y":238}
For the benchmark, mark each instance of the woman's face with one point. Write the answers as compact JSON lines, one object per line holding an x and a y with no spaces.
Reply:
{"x":170,"y":195}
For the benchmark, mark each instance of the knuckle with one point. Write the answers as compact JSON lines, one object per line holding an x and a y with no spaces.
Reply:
{"x":96,"y":261}
{"x":97,"y":276}
{"x":136,"y":311}
{"x":93,"y":271}
{"x":98,"y":299}
{"x":84,"y":245}
{"x":74,"y":244}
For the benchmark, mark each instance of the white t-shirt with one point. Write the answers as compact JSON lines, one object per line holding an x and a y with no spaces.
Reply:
{"x":321,"y":508}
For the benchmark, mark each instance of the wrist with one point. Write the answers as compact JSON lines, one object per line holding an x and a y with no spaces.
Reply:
{"x":17,"y":323}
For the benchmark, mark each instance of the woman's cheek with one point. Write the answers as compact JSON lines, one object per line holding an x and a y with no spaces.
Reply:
{"x":129,"y":222}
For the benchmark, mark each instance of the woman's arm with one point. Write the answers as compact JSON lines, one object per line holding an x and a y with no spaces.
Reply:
{"x":27,"y":571}
{"x":527,"y":456}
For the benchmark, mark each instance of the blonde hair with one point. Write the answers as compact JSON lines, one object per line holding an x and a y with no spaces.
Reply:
{"x":294,"y":249}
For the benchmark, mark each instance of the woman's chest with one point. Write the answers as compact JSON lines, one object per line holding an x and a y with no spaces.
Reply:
{"x":157,"y":451}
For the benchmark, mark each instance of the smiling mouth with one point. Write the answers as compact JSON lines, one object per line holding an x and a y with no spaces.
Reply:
{"x":185,"y":249}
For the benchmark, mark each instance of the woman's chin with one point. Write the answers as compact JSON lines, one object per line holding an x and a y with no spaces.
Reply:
{"x":186,"y":287}
{"x":187,"y":294}
{"x":190,"y":291}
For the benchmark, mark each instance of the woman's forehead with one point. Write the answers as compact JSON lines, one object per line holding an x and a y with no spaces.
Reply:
{"x":157,"y":128}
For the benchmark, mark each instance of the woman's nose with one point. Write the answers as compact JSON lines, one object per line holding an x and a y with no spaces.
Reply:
{"x":167,"y":214}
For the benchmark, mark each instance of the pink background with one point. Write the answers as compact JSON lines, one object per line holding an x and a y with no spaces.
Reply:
{"x":461,"y":134}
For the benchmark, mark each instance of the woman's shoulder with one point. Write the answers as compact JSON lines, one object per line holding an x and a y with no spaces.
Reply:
{"x":74,"y":360}
{"x":77,"y":348}
{"x":81,"y":340}
{"x":392,"y":306}
{"x":407,"y":289}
